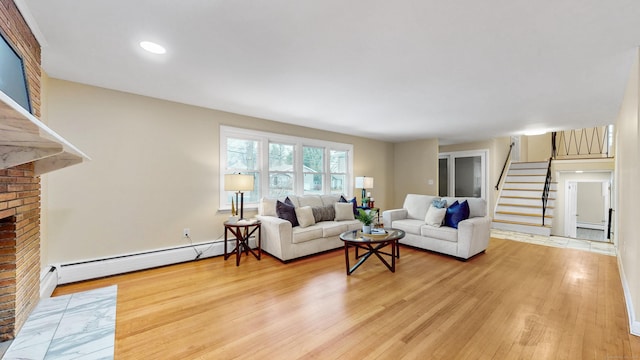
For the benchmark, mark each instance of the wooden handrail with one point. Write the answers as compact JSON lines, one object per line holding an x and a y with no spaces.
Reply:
{"x":506,"y":161}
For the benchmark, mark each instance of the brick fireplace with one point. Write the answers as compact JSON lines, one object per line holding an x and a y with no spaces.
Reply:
{"x":19,"y":198}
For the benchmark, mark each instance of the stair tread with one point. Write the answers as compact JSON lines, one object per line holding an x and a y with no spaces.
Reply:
{"x":524,"y":197}
{"x":522,"y":214}
{"x":520,"y":223}
{"x":539,"y":190}
{"x":525,"y":206}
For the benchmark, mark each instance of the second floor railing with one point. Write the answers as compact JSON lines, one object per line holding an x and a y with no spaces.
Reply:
{"x":586,"y":143}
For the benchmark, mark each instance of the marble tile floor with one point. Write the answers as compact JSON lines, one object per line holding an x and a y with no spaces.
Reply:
{"x":77,"y":326}
{"x":557,"y":241}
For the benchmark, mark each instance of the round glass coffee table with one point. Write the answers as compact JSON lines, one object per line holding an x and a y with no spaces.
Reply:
{"x":372,"y":244}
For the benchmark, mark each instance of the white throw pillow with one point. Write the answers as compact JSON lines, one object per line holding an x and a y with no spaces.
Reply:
{"x":305,"y":216}
{"x":435,"y":216}
{"x":344,"y":211}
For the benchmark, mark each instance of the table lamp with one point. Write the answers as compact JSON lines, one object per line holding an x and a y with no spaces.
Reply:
{"x":238,"y":183}
{"x":364,"y":182}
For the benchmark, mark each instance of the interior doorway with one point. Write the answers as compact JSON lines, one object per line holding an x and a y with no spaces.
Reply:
{"x":587,"y":209}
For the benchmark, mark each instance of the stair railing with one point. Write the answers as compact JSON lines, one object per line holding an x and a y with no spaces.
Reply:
{"x":504,"y":167}
{"x":545,"y":191}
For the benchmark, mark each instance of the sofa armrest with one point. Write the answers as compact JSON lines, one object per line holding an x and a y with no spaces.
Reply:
{"x":276,"y":235}
{"x":389,"y":216}
{"x":473,"y":236}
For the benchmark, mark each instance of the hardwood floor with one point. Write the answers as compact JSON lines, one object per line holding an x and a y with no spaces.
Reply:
{"x":516,"y":301}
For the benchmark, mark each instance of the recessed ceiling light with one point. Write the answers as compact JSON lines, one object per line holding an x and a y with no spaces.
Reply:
{"x":152,"y":47}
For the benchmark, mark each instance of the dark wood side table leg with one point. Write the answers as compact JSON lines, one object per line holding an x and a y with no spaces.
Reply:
{"x":259,"y":242}
{"x":238,"y":249}
{"x":225,"y":243}
{"x":346,"y":256}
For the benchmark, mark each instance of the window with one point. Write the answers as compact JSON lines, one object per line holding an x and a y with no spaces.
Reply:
{"x":284,"y":165}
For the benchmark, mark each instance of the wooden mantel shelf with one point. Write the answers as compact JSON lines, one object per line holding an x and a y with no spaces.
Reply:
{"x":24,"y":139}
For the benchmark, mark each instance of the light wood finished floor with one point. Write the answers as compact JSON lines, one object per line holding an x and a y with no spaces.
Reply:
{"x":516,"y":301}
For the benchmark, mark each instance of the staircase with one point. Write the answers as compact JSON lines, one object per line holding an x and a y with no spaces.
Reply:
{"x":519,"y":207}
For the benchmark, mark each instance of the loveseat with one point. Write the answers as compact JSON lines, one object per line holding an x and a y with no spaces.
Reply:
{"x":423,"y":230}
{"x":286,"y":240}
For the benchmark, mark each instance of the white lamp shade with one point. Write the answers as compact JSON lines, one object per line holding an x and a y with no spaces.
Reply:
{"x":238,"y":182}
{"x":364,"y":182}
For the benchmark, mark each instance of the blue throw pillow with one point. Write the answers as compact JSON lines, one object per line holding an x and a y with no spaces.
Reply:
{"x":456,"y":212}
{"x":439,"y":203}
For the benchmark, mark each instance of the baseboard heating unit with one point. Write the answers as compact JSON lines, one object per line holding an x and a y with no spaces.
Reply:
{"x":97,"y":268}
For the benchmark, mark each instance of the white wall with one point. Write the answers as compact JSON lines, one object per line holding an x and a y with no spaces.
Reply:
{"x":154,"y":171}
{"x":628,"y":194}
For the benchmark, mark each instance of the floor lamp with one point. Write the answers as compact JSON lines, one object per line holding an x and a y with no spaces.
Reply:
{"x":238,"y":183}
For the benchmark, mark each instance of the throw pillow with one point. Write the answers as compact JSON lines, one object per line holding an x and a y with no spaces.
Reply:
{"x":324,"y":213}
{"x":287,"y":212}
{"x":435,"y":216}
{"x":353,"y":202}
{"x":456,"y":213}
{"x":304,"y":215}
{"x":344,"y":211}
{"x":439,"y":203}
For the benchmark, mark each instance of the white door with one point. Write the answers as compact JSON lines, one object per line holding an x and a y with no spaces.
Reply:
{"x":570,"y":221}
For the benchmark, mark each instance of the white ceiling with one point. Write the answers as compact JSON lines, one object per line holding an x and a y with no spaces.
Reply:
{"x":458,"y":70}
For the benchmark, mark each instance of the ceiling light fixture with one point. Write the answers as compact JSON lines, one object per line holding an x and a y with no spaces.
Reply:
{"x":535,"y":132}
{"x":153,"y":47}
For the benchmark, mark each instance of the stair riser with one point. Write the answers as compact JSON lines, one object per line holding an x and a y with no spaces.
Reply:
{"x":535,"y":211}
{"x":542,"y":172}
{"x":529,"y":165}
{"x":525,"y":193}
{"x":537,"y":230}
{"x":526,"y":178}
{"x":529,"y":186}
{"x":533,"y":219}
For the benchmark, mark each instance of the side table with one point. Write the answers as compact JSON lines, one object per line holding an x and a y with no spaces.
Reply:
{"x":242,"y":232}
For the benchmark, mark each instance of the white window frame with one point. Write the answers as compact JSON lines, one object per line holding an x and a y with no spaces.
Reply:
{"x":264,"y":138}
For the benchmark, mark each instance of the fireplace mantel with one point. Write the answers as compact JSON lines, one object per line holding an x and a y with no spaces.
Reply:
{"x":24,"y":139}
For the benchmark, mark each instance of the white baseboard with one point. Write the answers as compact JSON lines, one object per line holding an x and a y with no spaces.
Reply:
{"x":48,"y":281}
{"x":634,"y":324}
{"x":97,"y":268}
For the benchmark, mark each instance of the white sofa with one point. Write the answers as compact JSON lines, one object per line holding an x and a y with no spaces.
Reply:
{"x":285,"y":242}
{"x":471,"y":237}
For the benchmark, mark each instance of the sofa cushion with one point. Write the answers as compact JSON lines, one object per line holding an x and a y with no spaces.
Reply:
{"x":456,"y":212}
{"x":287,"y":212}
{"x":324,"y":213}
{"x":267,"y":207}
{"x":309,"y":200}
{"x":435,"y":216}
{"x":417,"y":205}
{"x":477,"y":206}
{"x":304,"y":214}
{"x":333,"y":228}
{"x":344,"y":211}
{"x":410,"y":226}
{"x":329,"y":199}
{"x":441,"y":233}
{"x":301,"y":234}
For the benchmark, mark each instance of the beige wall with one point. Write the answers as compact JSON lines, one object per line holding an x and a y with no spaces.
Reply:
{"x":154,"y":171}
{"x":538,"y":147}
{"x":415,"y":166}
{"x":628,"y":192}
